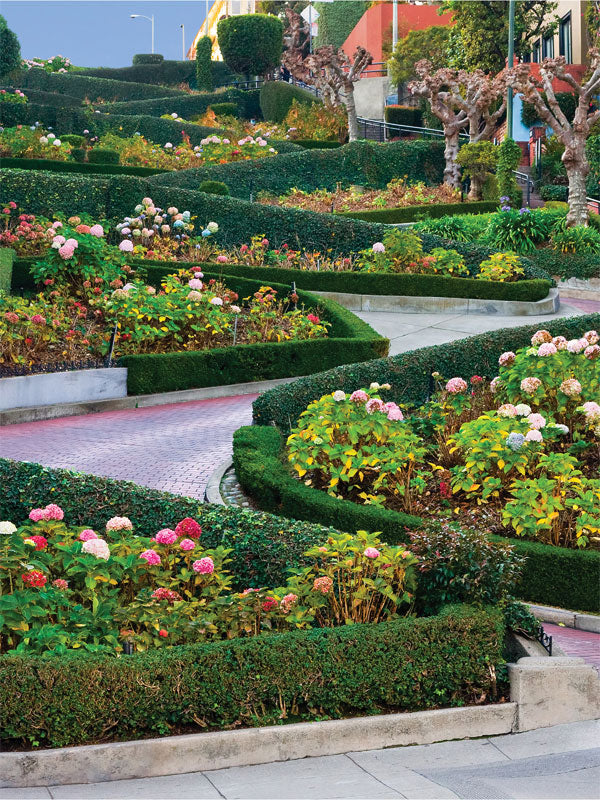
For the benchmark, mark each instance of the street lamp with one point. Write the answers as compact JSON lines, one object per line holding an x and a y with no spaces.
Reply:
{"x":511,"y":63}
{"x":150,"y":19}
{"x":182,"y":42}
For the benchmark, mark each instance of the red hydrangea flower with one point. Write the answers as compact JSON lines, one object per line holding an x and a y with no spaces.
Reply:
{"x":188,"y":527}
{"x":40,"y":542}
{"x":34,"y":578}
{"x":269,"y":604}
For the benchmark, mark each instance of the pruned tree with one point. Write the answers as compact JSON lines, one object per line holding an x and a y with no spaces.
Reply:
{"x":461,"y":99}
{"x":540,"y":93}
{"x":328,"y":69}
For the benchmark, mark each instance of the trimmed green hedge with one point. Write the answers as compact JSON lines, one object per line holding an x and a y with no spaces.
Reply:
{"x":167,"y":73}
{"x":48,"y":165}
{"x":40,"y":97}
{"x":409,"y":376}
{"x":7,"y":257}
{"x":276,"y":98}
{"x":425,"y":211}
{"x":567,"y":265}
{"x":309,"y":144}
{"x":77,"y":85}
{"x":403,"y":115}
{"x":354,"y":163}
{"x":406,"y":664}
{"x":190,"y":105}
{"x":349,"y":339}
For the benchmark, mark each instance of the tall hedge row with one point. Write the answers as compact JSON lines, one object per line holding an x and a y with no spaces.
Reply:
{"x":167,"y":73}
{"x":191,"y":105}
{"x":94,"y":89}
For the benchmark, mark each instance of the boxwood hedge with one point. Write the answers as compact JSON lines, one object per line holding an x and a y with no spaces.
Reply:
{"x":429,"y":210}
{"x":190,"y":105}
{"x":405,"y":664}
{"x":94,"y":89}
{"x":47,"y":165}
{"x":167,"y":73}
{"x":354,"y":163}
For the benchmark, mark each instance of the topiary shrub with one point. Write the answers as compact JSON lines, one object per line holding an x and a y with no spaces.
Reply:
{"x":213,"y":187}
{"x":225,"y":109}
{"x":403,"y":115}
{"x":204,"y":77}
{"x":478,"y":160}
{"x":276,"y":98}
{"x":509,"y":158}
{"x":147,"y":58}
{"x":100,"y":156}
{"x":79,"y":154}
{"x":251,"y":43}
{"x":73,"y":139}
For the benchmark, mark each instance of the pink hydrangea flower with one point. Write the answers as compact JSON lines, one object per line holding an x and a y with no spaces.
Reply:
{"x":547,"y":349}
{"x":591,"y":409}
{"x":97,"y":230}
{"x":359,"y":396}
{"x":119,"y":524}
{"x":196,"y":284}
{"x":288,"y":601}
{"x":97,"y":547}
{"x":187,"y":544}
{"x":559,"y":342}
{"x":577,"y":345}
{"x":37,"y":514}
{"x":60,"y":583}
{"x":379,"y":247}
{"x":506,"y":359}
{"x":507,"y":410}
{"x":189,"y":528}
{"x":530,"y":385}
{"x":592,"y":352}
{"x":166,"y":536}
{"x":536,"y":421}
{"x":151,"y":556}
{"x":495,"y":384}
{"x":87,"y":534}
{"x":204,"y":566}
{"x":373,"y":405}
{"x":539,"y":337}
{"x":222,"y":259}
{"x":571,"y":387}
{"x":456,"y":386}
{"x":322,"y":585}
{"x":534,"y":436}
{"x":66,"y":252}
{"x":372,"y":552}
{"x":126,"y":246}
{"x":592,"y":337}
{"x":54,"y":512}
{"x":394,"y":414}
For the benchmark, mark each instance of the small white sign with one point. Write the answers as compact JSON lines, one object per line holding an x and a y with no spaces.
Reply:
{"x":310,"y":14}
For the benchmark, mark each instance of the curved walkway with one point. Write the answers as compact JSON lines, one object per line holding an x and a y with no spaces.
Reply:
{"x":576,"y":643}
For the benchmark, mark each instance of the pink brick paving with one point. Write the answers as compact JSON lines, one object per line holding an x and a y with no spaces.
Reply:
{"x":576,"y":643}
{"x":174,"y":448}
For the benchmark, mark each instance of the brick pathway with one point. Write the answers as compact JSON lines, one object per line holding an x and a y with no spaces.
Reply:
{"x":174,"y":447}
{"x":576,"y":643}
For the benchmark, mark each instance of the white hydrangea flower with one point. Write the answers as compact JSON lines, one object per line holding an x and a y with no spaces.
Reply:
{"x":6,"y":528}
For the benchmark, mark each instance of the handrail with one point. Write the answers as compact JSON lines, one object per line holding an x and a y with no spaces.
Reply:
{"x":383,"y":128}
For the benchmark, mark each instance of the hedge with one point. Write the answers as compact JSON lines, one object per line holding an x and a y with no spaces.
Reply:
{"x":354,"y":163}
{"x":552,"y":192}
{"x":50,"y":98}
{"x":276,"y":98}
{"x":190,"y":105}
{"x":168,"y":73}
{"x":567,"y":265}
{"x":403,"y":115}
{"x":7,"y":257}
{"x":309,"y":144}
{"x":83,"y":86}
{"x":349,"y":339}
{"x":47,"y":165}
{"x":405,"y":664}
{"x":546,"y":580}
{"x":147,"y":58}
{"x":425,"y":211}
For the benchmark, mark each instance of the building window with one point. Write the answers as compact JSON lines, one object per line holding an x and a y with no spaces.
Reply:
{"x":548,"y":47}
{"x":537,"y":52}
{"x":565,"y":38}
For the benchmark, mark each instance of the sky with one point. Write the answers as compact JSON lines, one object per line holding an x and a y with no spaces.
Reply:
{"x":100,"y":33}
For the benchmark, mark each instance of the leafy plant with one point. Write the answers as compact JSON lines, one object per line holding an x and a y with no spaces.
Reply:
{"x":518,"y":230}
{"x":576,"y":239}
{"x":501,"y":267}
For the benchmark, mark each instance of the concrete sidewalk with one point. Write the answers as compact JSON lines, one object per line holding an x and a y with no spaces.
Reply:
{"x":559,"y":763}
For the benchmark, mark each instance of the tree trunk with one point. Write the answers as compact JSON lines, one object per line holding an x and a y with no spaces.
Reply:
{"x":476,"y":190}
{"x":578,"y":168}
{"x":452,"y":170}
{"x":352,"y":118}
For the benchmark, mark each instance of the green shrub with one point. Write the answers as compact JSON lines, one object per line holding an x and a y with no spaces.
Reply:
{"x":251,"y":43}
{"x":10,"y":50}
{"x":213,"y":187}
{"x":192,"y":105}
{"x":406,"y":664}
{"x":73,"y":139}
{"x":425,"y":211}
{"x":403,"y":115}
{"x":354,"y":163}
{"x":100,"y":156}
{"x":573,"y":265}
{"x":204,"y":79}
{"x":147,"y":58}
{"x":77,"y":153}
{"x":7,"y":257}
{"x":79,"y":166}
{"x":82,"y":86}
{"x":337,"y":21}
{"x":167,"y":73}
{"x":509,"y":158}
{"x":40,"y":97}
{"x":307,"y":144}
{"x":225,"y":109}
{"x":276,"y":99}
{"x":552,"y":192}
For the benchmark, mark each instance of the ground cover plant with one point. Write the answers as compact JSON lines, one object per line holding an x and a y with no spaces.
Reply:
{"x":518,"y":455}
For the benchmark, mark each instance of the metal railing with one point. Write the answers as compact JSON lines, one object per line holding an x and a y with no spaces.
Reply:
{"x":525,"y":178}
{"x":379,"y":131}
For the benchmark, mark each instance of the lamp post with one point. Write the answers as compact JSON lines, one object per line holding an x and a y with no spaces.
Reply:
{"x":511,"y":63}
{"x":182,"y":42}
{"x":150,"y":19}
{"x":394,"y":25}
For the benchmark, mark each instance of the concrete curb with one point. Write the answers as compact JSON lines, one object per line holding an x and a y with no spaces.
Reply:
{"x":445,"y":305}
{"x":212,"y":493}
{"x":37,"y":413}
{"x":570,"y":619}
{"x":174,"y":755}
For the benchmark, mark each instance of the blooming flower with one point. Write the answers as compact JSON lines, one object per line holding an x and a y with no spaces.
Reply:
{"x":592,"y":352}
{"x":322,"y":585}
{"x":288,"y":601}
{"x":196,"y":296}
{"x":576,"y":345}
{"x":222,"y":259}
{"x":53,"y":511}
{"x":530,"y":385}
{"x":34,"y":578}
{"x":591,"y":409}
{"x":87,"y":534}
{"x":359,"y":396}
{"x":97,"y":547}
{"x":559,"y":342}
{"x":571,"y":387}
{"x":196,"y":284}
{"x":539,"y":337}
{"x":216,"y":301}
{"x":507,"y":410}
{"x":495,"y":384}
{"x":187,"y":544}
{"x":212,"y":227}
{"x":523,"y":409}
{"x":536,"y":421}
{"x":151,"y":556}
{"x":6,"y":528}
{"x":547,"y":349}
{"x":166,"y":536}
{"x":125,"y":246}
{"x":456,"y":386}
{"x":205,"y":566}
{"x":119,"y":524}
{"x":37,"y":514}
{"x":269,"y":603}
{"x":533,"y":436}
{"x":66,"y":252}
{"x":592,"y":337}
{"x":188,"y":527}
{"x":515,"y":440}
{"x":373,"y":405}
{"x":40,"y":542}
{"x":313,"y":318}
{"x":163,"y":632}
{"x":372,"y":552}
{"x":394,"y":414}
{"x":60,"y":583}
{"x":235,"y":309}
{"x":338,"y":396}
{"x":506,"y":359}
{"x":379,"y":247}
{"x":166,"y":594}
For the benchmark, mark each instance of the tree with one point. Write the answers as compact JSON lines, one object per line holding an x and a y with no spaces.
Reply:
{"x":204,"y":79}
{"x":327,"y":68}
{"x":430,"y":43}
{"x":460,"y":99}
{"x":10,"y":51}
{"x":478,"y":40}
{"x":478,"y":160}
{"x":573,"y":134}
{"x":251,"y":43}
{"x":592,"y":20}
